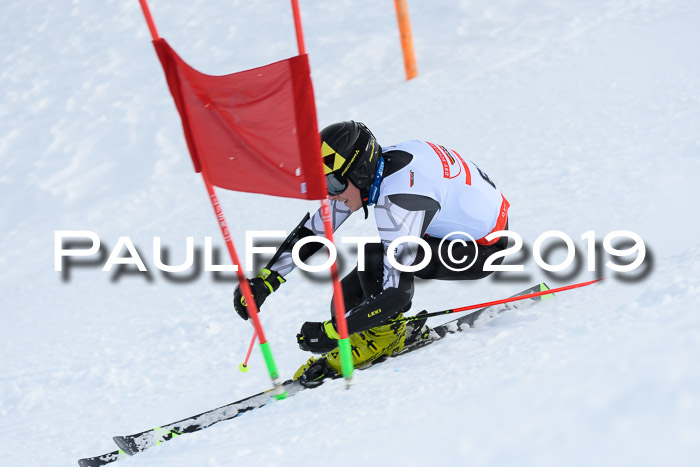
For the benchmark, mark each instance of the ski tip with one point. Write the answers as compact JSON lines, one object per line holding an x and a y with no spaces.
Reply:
{"x":104,"y":459}
{"x":126,"y":445}
{"x":543,"y":288}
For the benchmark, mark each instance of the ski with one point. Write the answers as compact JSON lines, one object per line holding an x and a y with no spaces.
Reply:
{"x":104,"y":459}
{"x":133,"y":444}
{"x":417,"y":340}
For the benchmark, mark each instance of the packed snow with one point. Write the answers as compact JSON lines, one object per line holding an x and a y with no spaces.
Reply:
{"x":586,"y":114}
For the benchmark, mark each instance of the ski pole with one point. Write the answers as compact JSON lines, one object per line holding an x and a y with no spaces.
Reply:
{"x":498,"y":302}
{"x":244,"y":366}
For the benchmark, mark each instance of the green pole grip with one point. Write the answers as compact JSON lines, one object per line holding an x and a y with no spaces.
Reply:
{"x":272,"y":368}
{"x":269,"y":360}
{"x":346,"y":364}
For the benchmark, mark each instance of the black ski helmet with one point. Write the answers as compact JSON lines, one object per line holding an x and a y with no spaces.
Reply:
{"x":350,"y":152}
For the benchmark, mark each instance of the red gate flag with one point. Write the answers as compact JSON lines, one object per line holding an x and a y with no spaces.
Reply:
{"x":252,"y":131}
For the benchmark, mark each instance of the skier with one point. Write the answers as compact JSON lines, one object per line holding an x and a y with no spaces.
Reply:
{"x":418,"y":189}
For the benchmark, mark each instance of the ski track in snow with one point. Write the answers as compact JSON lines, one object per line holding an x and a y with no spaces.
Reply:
{"x":585,"y":113}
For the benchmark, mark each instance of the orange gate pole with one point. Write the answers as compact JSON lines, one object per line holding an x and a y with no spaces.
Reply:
{"x":409,"y":57}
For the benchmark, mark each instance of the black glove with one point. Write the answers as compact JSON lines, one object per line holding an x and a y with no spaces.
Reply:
{"x":261,"y":286}
{"x":317,"y":337}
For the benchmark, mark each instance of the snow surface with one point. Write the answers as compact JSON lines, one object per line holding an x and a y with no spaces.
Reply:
{"x":587,"y":114}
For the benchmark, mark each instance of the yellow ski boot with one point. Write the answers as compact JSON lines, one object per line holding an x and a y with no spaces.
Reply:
{"x":367,"y":347}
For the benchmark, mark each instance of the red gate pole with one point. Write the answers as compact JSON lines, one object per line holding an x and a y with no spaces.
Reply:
{"x":298,"y":28}
{"x":346,"y":363}
{"x":149,"y":20}
{"x":245,"y":288}
{"x":252,"y":308}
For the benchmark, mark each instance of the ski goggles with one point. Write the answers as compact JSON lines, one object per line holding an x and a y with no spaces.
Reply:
{"x":336,"y":184}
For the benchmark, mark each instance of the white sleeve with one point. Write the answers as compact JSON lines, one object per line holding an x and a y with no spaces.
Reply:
{"x":339,"y":214}
{"x":393,"y":222}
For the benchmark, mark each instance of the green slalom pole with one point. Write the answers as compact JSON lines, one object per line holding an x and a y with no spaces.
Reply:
{"x":272,"y":368}
{"x":346,"y":365}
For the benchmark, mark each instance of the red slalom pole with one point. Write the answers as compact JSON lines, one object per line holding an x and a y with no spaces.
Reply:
{"x":149,"y":20}
{"x":251,"y":306}
{"x":279,"y":392}
{"x":297,"y":27}
{"x":346,"y":362}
